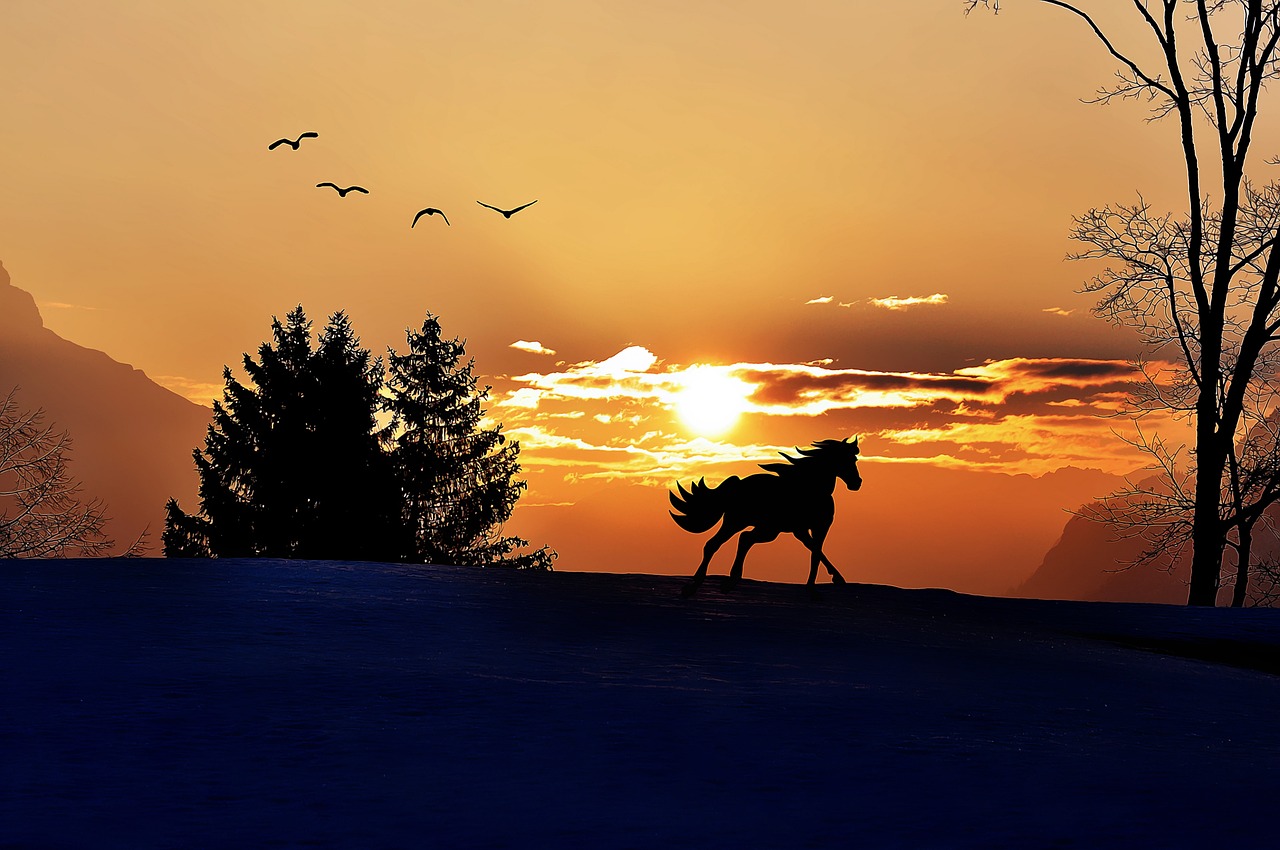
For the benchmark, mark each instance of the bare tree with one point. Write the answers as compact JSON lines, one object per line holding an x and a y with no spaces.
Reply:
{"x":1253,"y":486}
{"x":41,"y":514}
{"x":1159,"y":510}
{"x":1202,"y":286}
{"x":1264,"y":589}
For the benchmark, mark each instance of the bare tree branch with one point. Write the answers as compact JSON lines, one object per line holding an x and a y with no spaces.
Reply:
{"x":1204,"y":284}
{"x":41,"y":514}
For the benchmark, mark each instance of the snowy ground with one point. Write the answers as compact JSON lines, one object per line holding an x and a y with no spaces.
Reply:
{"x":254,"y":704}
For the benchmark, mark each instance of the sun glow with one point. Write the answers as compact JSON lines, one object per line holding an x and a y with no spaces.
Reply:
{"x":711,"y":401}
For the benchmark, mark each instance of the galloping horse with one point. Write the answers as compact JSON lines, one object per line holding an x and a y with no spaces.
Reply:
{"x":793,"y":497}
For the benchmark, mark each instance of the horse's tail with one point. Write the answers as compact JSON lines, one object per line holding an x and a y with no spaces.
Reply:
{"x":701,"y":507}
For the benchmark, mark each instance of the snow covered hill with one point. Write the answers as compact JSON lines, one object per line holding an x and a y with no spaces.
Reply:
{"x":258,"y":704}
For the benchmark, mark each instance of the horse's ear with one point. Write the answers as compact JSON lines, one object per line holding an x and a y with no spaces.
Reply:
{"x":854,"y":445}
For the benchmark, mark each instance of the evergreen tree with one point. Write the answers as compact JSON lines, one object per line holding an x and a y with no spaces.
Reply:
{"x":295,"y":466}
{"x":456,"y":476}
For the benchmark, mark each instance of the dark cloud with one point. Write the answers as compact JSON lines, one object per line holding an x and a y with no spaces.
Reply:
{"x":782,"y":386}
{"x":1071,"y":370}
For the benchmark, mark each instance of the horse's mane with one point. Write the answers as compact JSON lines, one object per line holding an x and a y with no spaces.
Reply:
{"x":822,"y":453}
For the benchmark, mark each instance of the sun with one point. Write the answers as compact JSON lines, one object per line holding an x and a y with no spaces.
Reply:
{"x":710,"y":400}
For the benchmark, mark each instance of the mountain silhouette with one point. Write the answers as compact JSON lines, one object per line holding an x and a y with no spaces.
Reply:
{"x":132,"y":438}
{"x":1090,"y":562}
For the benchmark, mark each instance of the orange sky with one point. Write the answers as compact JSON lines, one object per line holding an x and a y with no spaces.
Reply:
{"x":854,"y":212}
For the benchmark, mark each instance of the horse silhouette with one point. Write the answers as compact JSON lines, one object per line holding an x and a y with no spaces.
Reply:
{"x":794,"y":497}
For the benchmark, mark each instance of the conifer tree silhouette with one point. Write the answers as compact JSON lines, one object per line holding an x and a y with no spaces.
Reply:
{"x":294,"y":466}
{"x":297,"y":466}
{"x":457,"y":477}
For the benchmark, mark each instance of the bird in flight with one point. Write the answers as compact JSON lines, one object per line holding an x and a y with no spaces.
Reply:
{"x":430,"y":211}
{"x":506,"y":213}
{"x":343,"y":192}
{"x":293,"y":143}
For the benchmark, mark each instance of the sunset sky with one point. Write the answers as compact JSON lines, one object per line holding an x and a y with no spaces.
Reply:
{"x":757,"y":225}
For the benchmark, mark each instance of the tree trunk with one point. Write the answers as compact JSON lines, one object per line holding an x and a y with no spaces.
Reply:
{"x":1206,"y":561}
{"x":1206,"y":532}
{"x":1242,"y":565}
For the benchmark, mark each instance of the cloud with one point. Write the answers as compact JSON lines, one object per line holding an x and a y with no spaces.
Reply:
{"x":822,"y":299}
{"x":533,"y":347}
{"x":806,"y":389}
{"x":1028,"y":443}
{"x":634,"y":358}
{"x":63,"y":305}
{"x":803,"y":390}
{"x":655,"y":457}
{"x":1057,"y":311}
{"x":201,"y":392}
{"x":1031,"y":444}
{"x":1026,"y":375}
{"x":527,"y":397}
{"x":625,"y":375}
{"x":1014,"y":414}
{"x":893,"y":302}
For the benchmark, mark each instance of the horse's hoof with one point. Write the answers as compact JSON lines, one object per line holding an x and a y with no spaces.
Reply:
{"x":837,"y":579}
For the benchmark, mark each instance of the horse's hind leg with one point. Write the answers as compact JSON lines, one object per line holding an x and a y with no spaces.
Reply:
{"x":745,"y":542}
{"x":712,"y":545}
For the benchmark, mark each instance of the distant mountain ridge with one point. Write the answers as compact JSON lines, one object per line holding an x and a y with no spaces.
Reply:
{"x":132,"y":438}
{"x":1093,"y":563}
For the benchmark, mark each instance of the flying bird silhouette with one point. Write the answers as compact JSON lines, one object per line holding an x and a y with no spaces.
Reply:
{"x":343,"y":192}
{"x":293,"y":143}
{"x":506,"y":213}
{"x":430,"y":211}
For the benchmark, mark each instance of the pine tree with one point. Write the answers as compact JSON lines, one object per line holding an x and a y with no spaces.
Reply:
{"x":294,"y":466}
{"x":456,"y":476}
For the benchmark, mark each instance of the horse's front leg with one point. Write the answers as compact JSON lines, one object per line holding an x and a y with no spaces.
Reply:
{"x":813,"y":541}
{"x":836,"y":578}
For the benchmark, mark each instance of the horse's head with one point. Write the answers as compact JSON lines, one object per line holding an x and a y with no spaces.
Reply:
{"x":843,"y":456}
